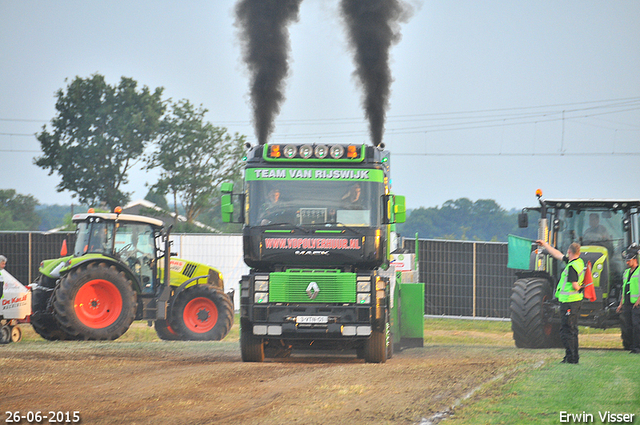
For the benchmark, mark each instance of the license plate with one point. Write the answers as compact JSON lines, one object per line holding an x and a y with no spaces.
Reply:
{"x":312,"y":319}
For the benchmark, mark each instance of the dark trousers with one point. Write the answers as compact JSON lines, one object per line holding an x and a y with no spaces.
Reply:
{"x":569,"y":330}
{"x":630,"y":318}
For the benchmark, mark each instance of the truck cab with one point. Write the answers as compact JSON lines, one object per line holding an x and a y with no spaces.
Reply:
{"x":316,"y":235}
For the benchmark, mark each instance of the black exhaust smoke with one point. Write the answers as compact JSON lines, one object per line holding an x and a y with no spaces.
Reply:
{"x":265,"y":42}
{"x":373,"y":26}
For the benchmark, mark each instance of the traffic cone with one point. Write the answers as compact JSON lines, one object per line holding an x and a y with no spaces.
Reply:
{"x":63,"y":249}
{"x":589,"y":289}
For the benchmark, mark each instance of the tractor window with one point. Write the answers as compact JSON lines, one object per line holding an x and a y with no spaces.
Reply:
{"x":135,"y":244}
{"x":593,"y":227}
{"x":93,"y":237}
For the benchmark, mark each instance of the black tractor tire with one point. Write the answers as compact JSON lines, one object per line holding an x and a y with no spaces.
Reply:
{"x":95,"y":302}
{"x":530,"y":327}
{"x":201,"y":313}
{"x":377,"y":345}
{"x":5,"y":334}
{"x":164,"y":331}
{"x":43,"y":318}
{"x":251,"y":347}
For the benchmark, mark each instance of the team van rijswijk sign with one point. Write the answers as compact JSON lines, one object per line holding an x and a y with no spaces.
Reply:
{"x":314,"y":174}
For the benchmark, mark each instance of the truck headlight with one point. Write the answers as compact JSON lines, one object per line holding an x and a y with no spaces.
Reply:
{"x":261,"y":297}
{"x":261,"y":286}
{"x":362,"y":286}
{"x":364,"y":299}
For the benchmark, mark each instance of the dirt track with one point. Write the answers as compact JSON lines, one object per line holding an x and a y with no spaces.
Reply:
{"x":206,"y":382}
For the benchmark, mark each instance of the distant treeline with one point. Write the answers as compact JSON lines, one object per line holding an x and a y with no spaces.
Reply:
{"x":463,"y":219}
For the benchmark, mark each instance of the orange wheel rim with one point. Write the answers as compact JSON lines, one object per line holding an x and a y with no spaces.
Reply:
{"x":200,"y":315}
{"x":98,"y":304}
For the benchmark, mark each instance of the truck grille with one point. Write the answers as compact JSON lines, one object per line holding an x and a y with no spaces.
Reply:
{"x":332,"y":286}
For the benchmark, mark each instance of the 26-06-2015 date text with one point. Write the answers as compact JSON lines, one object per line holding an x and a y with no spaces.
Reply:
{"x":42,"y":417}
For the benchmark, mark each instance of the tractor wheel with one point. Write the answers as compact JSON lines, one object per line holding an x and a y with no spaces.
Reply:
{"x":95,"y":302}
{"x":164,"y":331}
{"x":529,"y":324}
{"x":376,"y":347}
{"x":42,"y":318}
{"x":251,"y":347}
{"x":5,"y":334}
{"x":201,"y":313}
{"x":16,"y":334}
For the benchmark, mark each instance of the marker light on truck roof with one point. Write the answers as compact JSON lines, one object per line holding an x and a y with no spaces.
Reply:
{"x":352,"y":151}
{"x":321,"y":151}
{"x":306,"y":151}
{"x":274,"y":151}
{"x":336,"y":151}
{"x":290,"y":151}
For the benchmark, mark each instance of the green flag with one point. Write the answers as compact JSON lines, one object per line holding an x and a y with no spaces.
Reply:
{"x":519,"y":252}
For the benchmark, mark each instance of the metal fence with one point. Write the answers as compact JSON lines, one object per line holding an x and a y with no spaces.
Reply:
{"x":464,"y":278}
{"x":461,"y":278}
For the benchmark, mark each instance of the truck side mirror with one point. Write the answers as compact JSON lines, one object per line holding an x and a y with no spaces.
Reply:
{"x":400,"y":211}
{"x":393,"y":209}
{"x":523,"y":220}
{"x":226,"y":187}
{"x":226,"y":207}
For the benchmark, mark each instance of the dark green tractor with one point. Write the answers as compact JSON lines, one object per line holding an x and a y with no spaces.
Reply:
{"x":603,"y":228}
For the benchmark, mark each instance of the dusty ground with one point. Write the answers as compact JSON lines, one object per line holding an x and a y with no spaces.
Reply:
{"x":161,"y":382}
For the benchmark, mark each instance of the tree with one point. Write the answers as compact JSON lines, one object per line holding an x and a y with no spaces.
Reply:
{"x":99,"y":134}
{"x":462,"y":219}
{"x":18,"y":212}
{"x":194,"y":157}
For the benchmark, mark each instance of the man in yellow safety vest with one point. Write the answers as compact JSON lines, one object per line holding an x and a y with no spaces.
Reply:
{"x":630,"y":301}
{"x":569,"y":293}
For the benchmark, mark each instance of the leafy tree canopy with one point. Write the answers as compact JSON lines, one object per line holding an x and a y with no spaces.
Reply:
{"x":98,"y":135}
{"x":194,"y":157}
{"x":17,"y":212}
{"x":462,"y":219}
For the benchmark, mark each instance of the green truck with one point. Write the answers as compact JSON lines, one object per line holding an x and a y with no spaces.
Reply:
{"x":317,"y":236}
{"x":121,"y":270}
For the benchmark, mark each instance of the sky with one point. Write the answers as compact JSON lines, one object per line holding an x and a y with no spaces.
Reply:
{"x":490,"y":100}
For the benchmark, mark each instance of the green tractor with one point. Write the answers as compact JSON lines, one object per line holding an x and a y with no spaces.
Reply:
{"x":121,"y":270}
{"x":604,"y":228}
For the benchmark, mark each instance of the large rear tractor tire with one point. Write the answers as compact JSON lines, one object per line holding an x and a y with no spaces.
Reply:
{"x":201,"y":313}
{"x":95,"y":302}
{"x":43,"y":318}
{"x":530,"y":326}
{"x":251,"y":347}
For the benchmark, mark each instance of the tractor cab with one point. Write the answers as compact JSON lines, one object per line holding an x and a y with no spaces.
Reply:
{"x":603,"y":228}
{"x":130,"y":240}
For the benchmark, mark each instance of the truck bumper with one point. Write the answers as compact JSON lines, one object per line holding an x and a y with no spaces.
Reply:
{"x":312,"y":322}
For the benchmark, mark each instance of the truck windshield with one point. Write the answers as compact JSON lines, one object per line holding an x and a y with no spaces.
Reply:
{"x":296,"y":202}
{"x":599,"y":227}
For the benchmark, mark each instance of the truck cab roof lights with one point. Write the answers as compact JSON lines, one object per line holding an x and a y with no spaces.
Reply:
{"x":352,"y":151}
{"x":321,"y":151}
{"x":290,"y":151}
{"x":306,"y":151}
{"x":274,"y":151}
{"x":336,"y":151}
